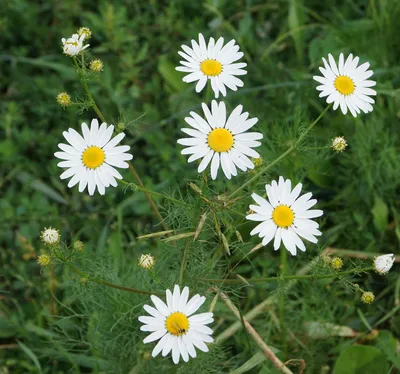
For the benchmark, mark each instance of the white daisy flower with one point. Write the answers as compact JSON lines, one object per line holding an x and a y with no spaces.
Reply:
{"x":347,"y":85}
{"x":74,"y":45}
{"x":176,"y":325}
{"x":285,"y":216}
{"x":214,"y":62}
{"x":90,"y":159}
{"x":50,"y":236}
{"x":384,"y":263}
{"x":224,"y":141}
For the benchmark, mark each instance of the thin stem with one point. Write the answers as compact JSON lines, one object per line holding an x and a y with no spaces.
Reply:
{"x":109,"y":284}
{"x":131,"y":168}
{"x":184,"y":260}
{"x":282,"y":156}
{"x":149,"y":199}
{"x":254,"y":334}
{"x":290,"y":277}
{"x":154,"y":193}
{"x":282,"y":299}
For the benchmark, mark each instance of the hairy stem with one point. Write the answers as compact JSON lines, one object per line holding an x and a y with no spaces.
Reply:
{"x":282,"y":156}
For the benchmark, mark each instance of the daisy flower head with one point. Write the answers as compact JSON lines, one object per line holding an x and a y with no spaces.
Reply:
{"x":285,"y":216}
{"x":176,"y":326}
{"x":384,"y":263}
{"x":213,"y":61}
{"x":220,"y":140}
{"x":74,"y":45}
{"x":91,"y":159}
{"x":346,"y":84}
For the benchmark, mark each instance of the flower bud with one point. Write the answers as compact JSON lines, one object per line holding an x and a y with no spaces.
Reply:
{"x":63,"y":99}
{"x":96,"y":65}
{"x":85,"y":31}
{"x":146,"y":261}
{"x":339,"y":144}
{"x":44,"y":260}
{"x":367,"y":297}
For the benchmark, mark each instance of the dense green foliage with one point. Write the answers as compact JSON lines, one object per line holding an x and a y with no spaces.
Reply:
{"x":52,"y":322}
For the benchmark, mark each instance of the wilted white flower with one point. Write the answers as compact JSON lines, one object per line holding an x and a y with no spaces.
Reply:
{"x":50,"y":236}
{"x":176,"y":326}
{"x":74,"y":45}
{"x":339,"y":144}
{"x":146,"y":261}
{"x":384,"y":263}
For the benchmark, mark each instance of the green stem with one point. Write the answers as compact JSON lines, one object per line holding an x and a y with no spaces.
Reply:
{"x":150,"y":192}
{"x":89,"y":95}
{"x":109,"y":284}
{"x":289,"y":277}
{"x":282,"y":300}
{"x":282,"y":156}
{"x":184,"y":260}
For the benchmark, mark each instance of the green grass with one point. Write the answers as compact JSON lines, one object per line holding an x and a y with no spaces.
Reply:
{"x":50,"y":322}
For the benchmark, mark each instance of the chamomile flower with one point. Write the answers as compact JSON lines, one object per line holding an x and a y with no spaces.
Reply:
{"x":285,"y":216}
{"x":91,"y":159}
{"x":213,"y":61}
{"x":339,"y":144}
{"x":221,"y":141}
{"x":44,"y":260}
{"x":74,"y":45}
{"x":176,"y":326}
{"x":384,"y":263}
{"x":347,"y":85}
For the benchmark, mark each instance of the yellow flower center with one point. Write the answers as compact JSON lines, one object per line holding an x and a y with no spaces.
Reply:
{"x":177,"y":324}
{"x":93,"y":157}
{"x":344,"y":85}
{"x":211,"y":67}
{"x":220,"y":140}
{"x":283,"y":216}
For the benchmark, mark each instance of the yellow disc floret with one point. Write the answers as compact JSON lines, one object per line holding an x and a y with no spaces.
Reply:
{"x":211,"y":68}
{"x":93,"y":157}
{"x":367,"y":297}
{"x":283,"y":216}
{"x":220,"y":140}
{"x":177,"y":324}
{"x":344,"y":85}
{"x":336,"y":263}
{"x":44,"y":260}
{"x":96,"y":65}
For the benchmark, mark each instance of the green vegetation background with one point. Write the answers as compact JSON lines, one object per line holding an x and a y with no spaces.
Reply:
{"x":89,"y":329}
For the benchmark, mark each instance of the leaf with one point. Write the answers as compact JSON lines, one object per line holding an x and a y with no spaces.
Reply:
{"x":380,"y":213}
{"x":256,"y":360}
{"x":38,"y":185}
{"x":387,"y":344}
{"x":7,"y":328}
{"x":170,"y":75}
{"x":31,"y":355}
{"x":361,"y":359}
{"x":296,"y":19}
